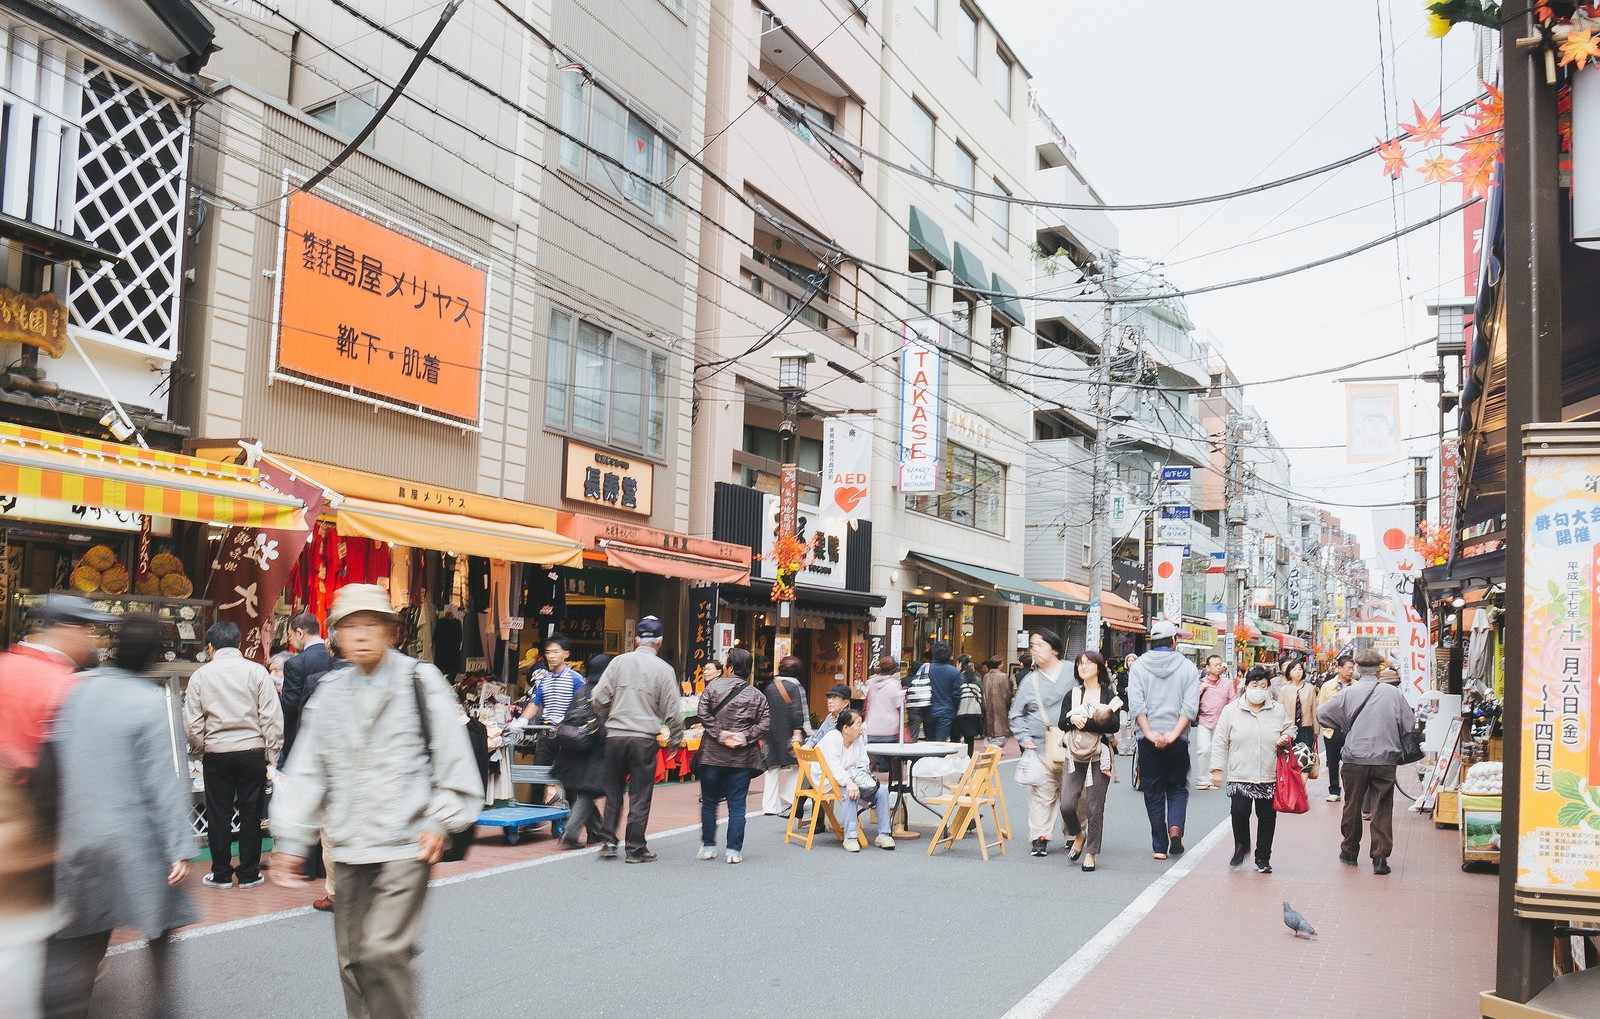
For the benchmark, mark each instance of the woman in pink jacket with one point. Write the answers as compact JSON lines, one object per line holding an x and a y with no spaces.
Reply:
{"x":1216,"y":691}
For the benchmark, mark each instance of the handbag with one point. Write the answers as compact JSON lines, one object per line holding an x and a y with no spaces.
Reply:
{"x":1289,"y":796}
{"x":1055,"y":746}
{"x":457,"y":842}
{"x":1031,"y":770}
{"x":1410,"y":747}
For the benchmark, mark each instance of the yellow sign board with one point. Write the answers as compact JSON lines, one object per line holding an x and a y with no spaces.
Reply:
{"x":39,"y":321}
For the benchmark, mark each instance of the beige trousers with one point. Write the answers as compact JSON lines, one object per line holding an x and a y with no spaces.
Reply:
{"x":327,"y":868}
{"x":777,"y":789}
{"x":375,"y":930}
{"x":1044,"y":803}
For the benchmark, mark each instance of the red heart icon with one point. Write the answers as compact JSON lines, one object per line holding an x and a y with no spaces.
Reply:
{"x":849,"y":498}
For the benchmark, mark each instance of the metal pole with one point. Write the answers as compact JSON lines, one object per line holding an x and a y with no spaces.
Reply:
{"x":1532,"y":284}
{"x":1099,"y":525}
{"x":1419,"y":491}
{"x":1233,"y":511}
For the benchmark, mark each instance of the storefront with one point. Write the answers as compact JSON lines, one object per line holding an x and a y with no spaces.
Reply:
{"x":970,"y":606}
{"x":1124,"y":624}
{"x":1198,"y":639}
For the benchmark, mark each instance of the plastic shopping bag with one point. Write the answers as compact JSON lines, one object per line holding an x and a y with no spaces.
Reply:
{"x":1031,"y":770}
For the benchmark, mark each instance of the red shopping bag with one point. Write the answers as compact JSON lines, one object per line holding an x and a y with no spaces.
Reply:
{"x":1290,"y":795}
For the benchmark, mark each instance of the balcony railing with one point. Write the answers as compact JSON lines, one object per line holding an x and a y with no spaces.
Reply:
{"x":785,"y":285}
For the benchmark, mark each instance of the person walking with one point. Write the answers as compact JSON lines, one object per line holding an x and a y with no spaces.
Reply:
{"x":580,"y":765}
{"x":1373,"y":716}
{"x":789,"y":717}
{"x":885,"y":698}
{"x":846,"y":754}
{"x":1332,"y":739}
{"x":1299,"y":700}
{"x":124,"y":836}
{"x":36,"y":675}
{"x":1216,"y":693}
{"x":235,"y":724}
{"x":1092,"y":707}
{"x":1244,"y":754}
{"x":919,"y":695}
{"x":1038,"y":702}
{"x":636,"y":697}
{"x":969,"y":708}
{"x":301,"y":672}
{"x":944,"y":691}
{"x":1164,"y":699}
{"x":736,"y":719}
{"x":385,"y":774}
{"x":997,"y":693}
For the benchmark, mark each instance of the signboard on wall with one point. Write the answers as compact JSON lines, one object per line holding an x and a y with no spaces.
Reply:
{"x":379,"y":312}
{"x":827,"y":541}
{"x":921,"y":445}
{"x":702,"y":627}
{"x":847,"y":468}
{"x":609,"y":480}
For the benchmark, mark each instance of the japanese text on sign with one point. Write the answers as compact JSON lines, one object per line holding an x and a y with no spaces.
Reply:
{"x":605,"y":479}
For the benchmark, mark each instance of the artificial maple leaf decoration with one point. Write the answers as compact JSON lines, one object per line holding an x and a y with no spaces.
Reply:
{"x":1579,"y":48}
{"x":1436,"y":170}
{"x":1394,"y":157}
{"x":1475,"y":176}
{"x":1428,"y":128}
{"x":1490,"y":114}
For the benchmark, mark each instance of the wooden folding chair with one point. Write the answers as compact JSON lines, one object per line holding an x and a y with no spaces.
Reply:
{"x":822,"y":794}
{"x":966,"y":803}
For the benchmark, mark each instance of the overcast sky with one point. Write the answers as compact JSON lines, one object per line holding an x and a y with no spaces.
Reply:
{"x":1189,"y":99}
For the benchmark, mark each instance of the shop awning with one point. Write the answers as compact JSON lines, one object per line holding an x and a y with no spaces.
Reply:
{"x":642,"y":549}
{"x":927,"y":238}
{"x":842,"y":605}
{"x":1115,"y":611}
{"x":1269,"y":643}
{"x":416,"y":494}
{"x":968,"y":269}
{"x":454,"y":532}
{"x":1290,"y":642}
{"x":87,"y":472}
{"x":1007,"y":586}
{"x":1009,"y":304}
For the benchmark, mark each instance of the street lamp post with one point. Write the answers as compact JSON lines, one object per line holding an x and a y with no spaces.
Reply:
{"x":792,"y":388}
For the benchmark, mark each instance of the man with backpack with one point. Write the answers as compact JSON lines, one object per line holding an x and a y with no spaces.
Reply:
{"x":383,"y":769}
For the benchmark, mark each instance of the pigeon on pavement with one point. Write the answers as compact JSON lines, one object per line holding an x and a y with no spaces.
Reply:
{"x":1297,"y":923}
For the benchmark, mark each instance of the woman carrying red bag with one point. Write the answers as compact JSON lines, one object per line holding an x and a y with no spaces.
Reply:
{"x":1245,"y":747}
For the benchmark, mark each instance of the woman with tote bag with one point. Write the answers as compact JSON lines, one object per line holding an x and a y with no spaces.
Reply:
{"x":1034,"y":712}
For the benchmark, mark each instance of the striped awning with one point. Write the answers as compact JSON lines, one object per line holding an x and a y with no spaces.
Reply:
{"x":88,"y":472}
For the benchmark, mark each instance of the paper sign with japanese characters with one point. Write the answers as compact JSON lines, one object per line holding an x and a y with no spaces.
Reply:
{"x":1559,"y":822}
{"x":379,"y":314}
{"x":827,"y":540}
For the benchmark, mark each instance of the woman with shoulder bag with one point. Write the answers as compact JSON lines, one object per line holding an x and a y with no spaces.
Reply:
{"x":1033,"y":714}
{"x":1250,"y":732}
{"x":969,"y":707}
{"x":1090,"y":714}
{"x":1299,"y":700}
{"x":580,"y":760}
{"x":736,"y":720}
{"x":846,"y":753}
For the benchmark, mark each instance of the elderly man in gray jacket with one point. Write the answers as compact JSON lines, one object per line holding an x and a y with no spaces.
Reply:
{"x":1372,"y":716}
{"x":637,"y":696}
{"x":385,"y":787}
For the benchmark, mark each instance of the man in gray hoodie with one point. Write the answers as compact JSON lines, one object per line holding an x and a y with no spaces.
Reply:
{"x":1164,"y":699}
{"x":1372,"y":716}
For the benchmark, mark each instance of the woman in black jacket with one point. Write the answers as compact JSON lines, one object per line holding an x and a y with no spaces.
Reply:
{"x":1092,"y":707}
{"x":581,"y":770}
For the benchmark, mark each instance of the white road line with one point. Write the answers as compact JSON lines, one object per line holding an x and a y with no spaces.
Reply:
{"x":454,"y":879}
{"x":1054,"y":987}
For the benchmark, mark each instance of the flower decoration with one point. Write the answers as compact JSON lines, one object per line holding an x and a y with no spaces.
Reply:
{"x":790,"y":555}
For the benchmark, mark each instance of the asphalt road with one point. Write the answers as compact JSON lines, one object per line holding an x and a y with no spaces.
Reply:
{"x":785,"y":933}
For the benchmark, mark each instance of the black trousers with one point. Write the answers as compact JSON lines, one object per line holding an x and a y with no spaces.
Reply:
{"x":1332,"y":748}
{"x":630,"y":765}
{"x":70,"y":966}
{"x":234,"y":779}
{"x":1266,"y":826}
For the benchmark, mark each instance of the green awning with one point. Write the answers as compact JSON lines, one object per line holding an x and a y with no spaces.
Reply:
{"x":968,"y":269}
{"x":1269,"y":643}
{"x":928,"y":238}
{"x":1007,"y":586}
{"x":1009,"y":305}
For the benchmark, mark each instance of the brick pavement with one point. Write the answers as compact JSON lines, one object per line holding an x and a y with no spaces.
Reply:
{"x":1419,"y":942}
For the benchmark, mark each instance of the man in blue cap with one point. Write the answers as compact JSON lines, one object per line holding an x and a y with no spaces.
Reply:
{"x":637,"y":696}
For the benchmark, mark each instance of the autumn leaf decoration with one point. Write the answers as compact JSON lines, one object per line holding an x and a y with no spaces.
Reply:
{"x":1579,"y":47}
{"x":789,"y":556}
{"x":1437,"y":170}
{"x":1428,"y":128}
{"x":1394,"y":157}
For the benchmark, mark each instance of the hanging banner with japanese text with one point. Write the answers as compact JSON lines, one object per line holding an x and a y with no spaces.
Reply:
{"x":921,"y":365}
{"x":846,"y":468}
{"x":1401,"y":565}
{"x":253,"y":564}
{"x":1559,"y":819}
{"x":1167,"y":584}
{"x":702,"y":627}
{"x":381,"y":315}
{"x":1372,"y":423}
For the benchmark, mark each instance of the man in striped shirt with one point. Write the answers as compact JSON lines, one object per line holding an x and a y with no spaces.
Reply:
{"x":553,"y":687}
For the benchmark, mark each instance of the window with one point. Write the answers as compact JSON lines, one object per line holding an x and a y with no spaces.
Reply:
{"x":1000,"y":215}
{"x":963,"y":306}
{"x":1002,"y":81}
{"x":929,"y":9}
{"x":348,"y":114}
{"x":764,"y":442}
{"x":919,"y":288}
{"x":604,"y":386}
{"x":967,"y":38}
{"x":999,"y":346}
{"x":965,"y":176}
{"x":974,"y":492}
{"x":619,"y":134}
{"x":921,"y":138}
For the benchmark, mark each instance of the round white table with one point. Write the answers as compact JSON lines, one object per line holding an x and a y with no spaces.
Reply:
{"x":900,"y":780}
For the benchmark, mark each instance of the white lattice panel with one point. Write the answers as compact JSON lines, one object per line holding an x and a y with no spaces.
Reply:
{"x":132,"y":159}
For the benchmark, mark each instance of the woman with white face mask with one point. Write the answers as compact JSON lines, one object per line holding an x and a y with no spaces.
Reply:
{"x":1245,"y":748}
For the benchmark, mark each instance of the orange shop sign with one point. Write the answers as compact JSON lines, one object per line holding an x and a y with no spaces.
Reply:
{"x":377,"y":314}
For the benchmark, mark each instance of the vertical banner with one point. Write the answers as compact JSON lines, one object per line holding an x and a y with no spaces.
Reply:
{"x":1450,"y":491}
{"x":1168,"y":581}
{"x":1471,"y":246}
{"x":141,"y":563}
{"x":702,"y":627}
{"x":846,"y":468}
{"x":1401,"y":564}
{"x":1559,"y":822}
{"x":1372,"y":423}
{"x":253,"y":564}
{"x":920,"y":390}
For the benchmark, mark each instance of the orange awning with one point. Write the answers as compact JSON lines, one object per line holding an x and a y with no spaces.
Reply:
{"x":455,"y":532}
{"x":644,"y":549}
{"x":1118,"y":613}
{"x":88,"y":472}
{"x":682,"y":565}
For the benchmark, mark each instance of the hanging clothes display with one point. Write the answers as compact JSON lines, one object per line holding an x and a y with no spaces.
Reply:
{"x":544,"y":596}
{"x":447,"y":643}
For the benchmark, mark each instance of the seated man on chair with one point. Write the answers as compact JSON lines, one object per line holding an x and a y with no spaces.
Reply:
{"x":845,"y":752}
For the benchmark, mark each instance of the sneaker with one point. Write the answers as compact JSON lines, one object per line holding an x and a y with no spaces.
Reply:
{"x":706,"y":853}
{"x":1239,"y":853}
{"x":1333,"y":797}
{"x":1044,"y":848}
{"x":642,"y":856}
{"x":210,"y":881}
{"x":259,"y":880}
{"x":1034,"y":848}
{"x":852,"y":845}
{"x":1263,"y":868}
{"x":1175,"y":841}
{"x":608,"y":851}
{"x":884,"y":841}
{"x":734,"y":857}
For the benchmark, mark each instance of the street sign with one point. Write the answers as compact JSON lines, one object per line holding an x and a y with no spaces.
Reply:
{"x":1175,"y":473}
{"x":1176,"y":512}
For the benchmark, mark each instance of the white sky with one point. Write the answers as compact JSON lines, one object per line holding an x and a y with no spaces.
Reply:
{"x":1181,"y":100}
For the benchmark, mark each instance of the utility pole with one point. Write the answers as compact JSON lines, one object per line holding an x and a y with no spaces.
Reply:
{"x":1232,"y":556}
{"x":1100,"y":485}
{"x":1419,"y":491}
